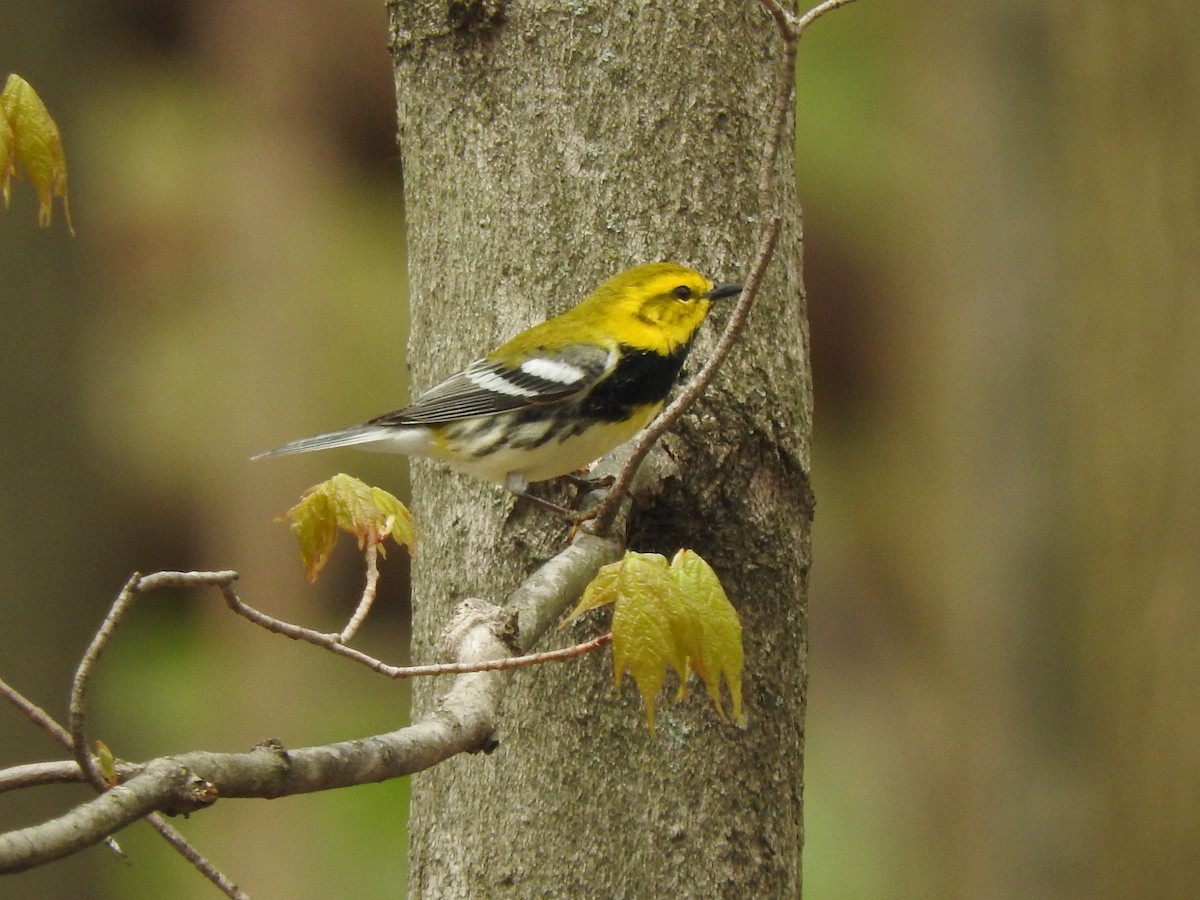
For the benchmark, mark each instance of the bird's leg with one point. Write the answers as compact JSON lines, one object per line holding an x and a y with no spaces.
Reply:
{"x":518,"y":485}
{"x":585,"y":483}
{"x":546,"y":504}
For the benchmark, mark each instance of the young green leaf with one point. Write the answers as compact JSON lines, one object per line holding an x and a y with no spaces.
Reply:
{"x":602,"y":590}
{"x":8,"y":151}
{"x":314,"y":523}
{"x":108,"y":765}
{"x":672,"y":615}
{"x":646,"y":628}
{"x":30,"y":137}
{"x":720,"y":645}
{"x":368,"y":513}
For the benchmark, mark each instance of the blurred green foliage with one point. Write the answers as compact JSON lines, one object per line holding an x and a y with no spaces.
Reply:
{"x":237,"y":280}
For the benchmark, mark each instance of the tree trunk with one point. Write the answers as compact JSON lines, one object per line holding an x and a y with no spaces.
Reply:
{"x":546,"y":146}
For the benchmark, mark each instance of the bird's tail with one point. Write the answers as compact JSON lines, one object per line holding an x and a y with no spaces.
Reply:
{"x":346,"y":437}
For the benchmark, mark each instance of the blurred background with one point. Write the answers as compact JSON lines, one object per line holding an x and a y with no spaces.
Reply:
{"x":1002,"y":208}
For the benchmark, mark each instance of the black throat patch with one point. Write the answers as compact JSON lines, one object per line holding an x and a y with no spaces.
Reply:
{"x":641,"y":377}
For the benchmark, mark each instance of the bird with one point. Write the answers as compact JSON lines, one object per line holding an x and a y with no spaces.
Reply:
{"x":557,"y":396}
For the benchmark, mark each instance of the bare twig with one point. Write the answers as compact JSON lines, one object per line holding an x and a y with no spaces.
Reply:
{"x":564,"y":654}
{"x":791,"y":28}
{"x":368,"y":596}
{"x":32,"y":774}
{"x":135,"y":586}
{"x":463,"y":722}
{"x":785,"y":83}
{"x":172,"y":836}
{"x":541,"y":600}
{"x":815,"y":13}
{"x":77,"y":739}
{"x":330,"y":642}
{"x":77,"y":716}
{"x":35,"y":714}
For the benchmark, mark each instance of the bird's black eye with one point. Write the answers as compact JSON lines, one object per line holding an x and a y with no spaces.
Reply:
{"x":683,"y":292}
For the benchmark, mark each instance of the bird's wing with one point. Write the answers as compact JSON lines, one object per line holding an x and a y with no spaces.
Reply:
{"x":489,"y":386}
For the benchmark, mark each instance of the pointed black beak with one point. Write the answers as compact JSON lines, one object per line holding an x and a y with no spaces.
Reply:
{"x":722,"y":290}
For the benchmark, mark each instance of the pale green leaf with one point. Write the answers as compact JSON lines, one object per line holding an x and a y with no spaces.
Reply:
{"x":314,"y":523}
{"x":602,"y":590}
{"x":8,"y":155}
{"x":34,"y":142}
{"x":645,"y":633}
{"x":370,"y":514}
{"x":107,"y":763}
{"x":719,"y":652}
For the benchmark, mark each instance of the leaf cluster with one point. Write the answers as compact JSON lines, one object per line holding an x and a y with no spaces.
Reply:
{"x":370,"y":514}
{"x":672,"y":615}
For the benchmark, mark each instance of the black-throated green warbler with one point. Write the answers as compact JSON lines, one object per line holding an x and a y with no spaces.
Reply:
{"x":557,"y":396}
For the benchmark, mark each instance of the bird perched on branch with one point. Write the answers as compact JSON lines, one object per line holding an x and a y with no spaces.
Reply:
{"x":558,"y":395}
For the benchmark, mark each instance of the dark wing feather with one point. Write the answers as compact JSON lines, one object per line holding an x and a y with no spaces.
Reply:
{"x":488,"y":386}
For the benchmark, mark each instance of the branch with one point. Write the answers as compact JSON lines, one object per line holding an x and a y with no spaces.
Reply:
{"x":481,"y":636}
{"x":34,"y":774}
{"x":35,"y":714}
{"x":464,"y":721}
{"x":541,"y":600}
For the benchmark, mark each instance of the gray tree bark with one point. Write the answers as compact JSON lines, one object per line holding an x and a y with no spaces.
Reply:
{"x":546,"y":146}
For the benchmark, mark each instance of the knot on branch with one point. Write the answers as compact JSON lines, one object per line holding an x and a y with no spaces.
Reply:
{"x":181,"y":790}
{"x":475,"y":624}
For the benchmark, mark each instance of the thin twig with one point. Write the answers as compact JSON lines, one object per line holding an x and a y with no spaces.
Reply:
{"x":785,"y":83}
{"x":815,"y":13}
{"x":790,"y":28}
{"x":181,"y":845}
{"x":129,"y":593}
{"x":330,"y":642}
{"x":368,"y":596}
{"x":513,"y":662}
{"x":77,"y":716}
{"x":35,"y":714}
{"x":76,"y":738}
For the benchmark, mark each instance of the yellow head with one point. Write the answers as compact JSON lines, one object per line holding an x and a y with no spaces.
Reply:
{"x":656,"y":306}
